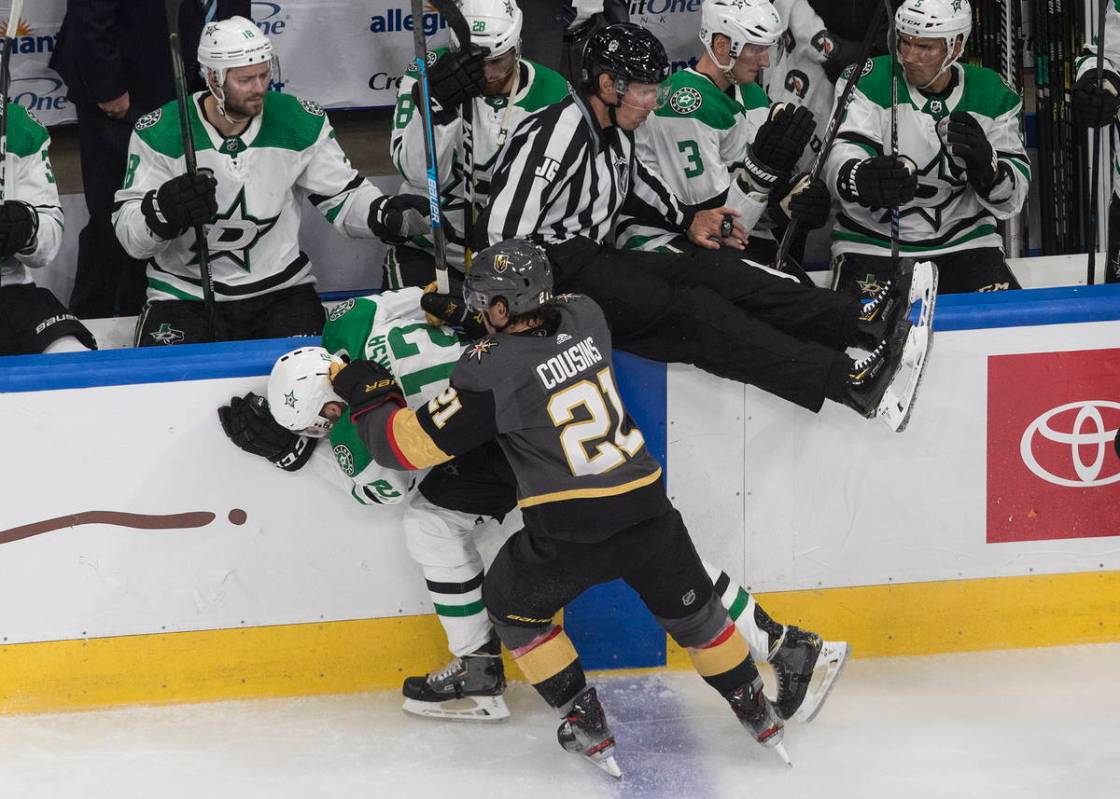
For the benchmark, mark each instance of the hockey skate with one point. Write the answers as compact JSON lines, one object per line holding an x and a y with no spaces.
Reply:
{"x":806,"y":668}
{"x":469,"y":688}
{"x":757,"y":715}
{"x":889,"y":377}
{"x":584,"y":731}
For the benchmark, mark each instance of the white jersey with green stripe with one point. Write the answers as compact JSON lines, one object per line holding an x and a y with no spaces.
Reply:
{"x":389,"y":328}
{"x":697,"y":142}
{"x":28,"y":178}
{"x":1087,"y":62}
{"x":287,"y":153}
{"x":946,"y":214}
{"x":494,"y":119}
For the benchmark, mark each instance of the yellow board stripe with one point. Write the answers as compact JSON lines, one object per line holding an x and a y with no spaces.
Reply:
{"x":377,"y":654}
{"x":590,"y":493}
{"x":721,"y":657}
{"x":548,"y":659}
{"x":953,"y":616}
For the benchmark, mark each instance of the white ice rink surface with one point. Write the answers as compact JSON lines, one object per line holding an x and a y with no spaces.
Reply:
{"x":1026,"y":723}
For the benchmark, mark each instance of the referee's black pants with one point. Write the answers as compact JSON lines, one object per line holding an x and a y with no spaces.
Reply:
{"x":713,"y":310}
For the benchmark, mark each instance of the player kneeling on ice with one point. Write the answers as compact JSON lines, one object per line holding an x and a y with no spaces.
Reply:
{"x":593,"y":510}
{"x":447,"y":506}
{"x":962,"y":164}
{"x":718,"y":142}
{"x":32,"y":320}
{"x":259,"y":153}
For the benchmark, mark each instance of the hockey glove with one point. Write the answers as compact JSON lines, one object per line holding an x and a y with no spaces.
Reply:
{"x":879,"y":182}
{"x":449,"y":309}
{"x":394,"y":218}
{"x":248,"y":424}
{"x":837,"y":52}
{"x":969,"y":143}
{"x":457,"y":78}
{"x":1095,"y":106}
{"x":19,"y":225}
{"x":807,"y":202}
{"x":366,"y":385}
{"x":778,"y":145}
{"x":180,"y":204}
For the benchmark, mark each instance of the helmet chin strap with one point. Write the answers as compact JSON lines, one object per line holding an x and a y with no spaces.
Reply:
{"x":220,"y":98}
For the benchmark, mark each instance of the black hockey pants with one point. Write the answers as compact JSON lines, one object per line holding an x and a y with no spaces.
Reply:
{"x":710,"y":309}
{"x":982,"y":269}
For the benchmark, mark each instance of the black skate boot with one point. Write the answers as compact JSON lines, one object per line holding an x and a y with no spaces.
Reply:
{"x":584,"y":731}
{"x":881,"y":310}
{"x":870,"y":376}
{"x":757,"y":715}
{"x":478,"y":679}
{"x":800,"y":656}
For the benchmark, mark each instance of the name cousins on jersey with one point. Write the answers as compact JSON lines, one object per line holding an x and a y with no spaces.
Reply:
{"x":568,"y":364}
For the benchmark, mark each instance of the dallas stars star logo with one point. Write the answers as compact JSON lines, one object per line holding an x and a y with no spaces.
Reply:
{"x":869,"y":285}
{"x":290,"y":399}
{"x":234,"y":233}
{"x":480,"y":348}
{"x":956,"y":5}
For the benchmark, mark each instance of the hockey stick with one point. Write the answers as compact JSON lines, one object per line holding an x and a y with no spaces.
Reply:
{"x":829,"y":137}
{"x":183,"y":100}
{"x":10,"y":32}
{"x":420,"y":61}
{"x":1094,"y":214}
{"x":892,"y":45}
{"x":458,"y":23}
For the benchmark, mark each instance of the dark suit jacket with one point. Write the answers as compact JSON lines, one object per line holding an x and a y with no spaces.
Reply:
{"x":108,"y":47}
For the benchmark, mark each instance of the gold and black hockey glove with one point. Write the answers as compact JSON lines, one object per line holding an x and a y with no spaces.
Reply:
{"x":366,"y":386}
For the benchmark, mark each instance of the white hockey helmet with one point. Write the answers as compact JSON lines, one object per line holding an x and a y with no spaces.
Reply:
{"x":947,"y":20}
{"x":741,"y":21}
{"x":495,"y":25}
{"x":230,"y":43}
{"x":299,"y":386}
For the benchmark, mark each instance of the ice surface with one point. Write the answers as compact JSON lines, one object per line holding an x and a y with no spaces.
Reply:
{"x":1022,"y":724}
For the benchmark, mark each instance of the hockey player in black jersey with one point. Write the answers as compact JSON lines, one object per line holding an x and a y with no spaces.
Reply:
{"x":569,"y":170}
{"x":592,"y":497}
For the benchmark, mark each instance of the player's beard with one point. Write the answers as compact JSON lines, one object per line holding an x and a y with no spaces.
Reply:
{"x":244,"y":109}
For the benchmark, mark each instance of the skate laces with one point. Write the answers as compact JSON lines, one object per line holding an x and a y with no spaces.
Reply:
{"x":875,"y":303}
{"x":865,"y":368}
{"x":447,"y":672}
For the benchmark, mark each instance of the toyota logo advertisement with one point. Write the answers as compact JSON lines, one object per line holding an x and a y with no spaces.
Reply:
{"x":1053,"y":471}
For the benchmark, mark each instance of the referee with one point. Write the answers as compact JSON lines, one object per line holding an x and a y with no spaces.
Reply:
{"x":569,"y":170}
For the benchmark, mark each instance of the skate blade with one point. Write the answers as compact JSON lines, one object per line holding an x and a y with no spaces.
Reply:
{"x":474,"y":708}
{"x":830,"y":662}
{"x":897,"y":402}
{"x":607,"y":764}
{"x":783,"y":754}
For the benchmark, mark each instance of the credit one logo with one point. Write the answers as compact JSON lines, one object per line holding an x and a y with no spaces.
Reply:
{"x":39,"y":93}
{"x":1079,"y":430}
{"x":267,"y":18}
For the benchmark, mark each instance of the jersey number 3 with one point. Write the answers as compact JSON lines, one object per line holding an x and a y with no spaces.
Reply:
{"x":596,"y":444}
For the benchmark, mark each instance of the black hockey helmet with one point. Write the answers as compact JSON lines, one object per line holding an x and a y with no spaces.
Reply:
{"x":626,"y":51}
{"x":514,"y":270}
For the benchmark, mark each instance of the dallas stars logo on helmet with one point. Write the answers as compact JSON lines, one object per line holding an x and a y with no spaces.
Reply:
{"x":686,"y":100}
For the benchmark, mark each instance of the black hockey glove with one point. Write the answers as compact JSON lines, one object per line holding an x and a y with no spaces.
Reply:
{"x":456,"y":78}
{"x":248,"y":424}
{"x":449,"y":309}
{"x":366,"y":385}
{"x":180,"y":204}
{"x":969,"y":143}
{"x":778,"y":145}
{"x":394,"y":218}
{"x":838,"y":52}
{"x":19,"y":225}
{"x":807,"y":202}
{"x":879,"y":182}
{"x":1095,"y":106}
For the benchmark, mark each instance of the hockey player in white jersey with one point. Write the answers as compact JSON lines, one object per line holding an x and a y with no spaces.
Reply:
{"x":260,"y":153}
{"x":32,"y":320}
{"x":502,"y":88}
{"x":447,"y":505}
{"x":717,"y":141}
{"x":1095,"y":105}
{"x":962,"y":162}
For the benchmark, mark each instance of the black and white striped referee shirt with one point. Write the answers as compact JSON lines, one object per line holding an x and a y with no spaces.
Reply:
{"x":562,"y":176}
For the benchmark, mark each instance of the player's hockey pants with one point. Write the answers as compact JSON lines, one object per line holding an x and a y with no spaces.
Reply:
{"x":981,"y":269}
{"x":713,"y":310}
